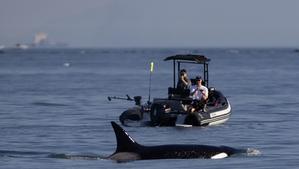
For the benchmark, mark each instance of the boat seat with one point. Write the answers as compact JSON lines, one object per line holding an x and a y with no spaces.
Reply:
{"x":213,"y":99}
{"x":178,"y":93}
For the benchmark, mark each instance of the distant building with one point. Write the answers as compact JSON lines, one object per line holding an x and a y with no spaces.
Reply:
{"x":41,"y":41}
{"x":40,"y":38}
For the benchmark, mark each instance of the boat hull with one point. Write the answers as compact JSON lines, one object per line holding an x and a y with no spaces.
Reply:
{"x":165,"y":112}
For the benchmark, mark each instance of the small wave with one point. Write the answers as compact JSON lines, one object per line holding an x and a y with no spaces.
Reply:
{"x":12,"y":153}
{"x":77,"y":157}
{"x":48,"y":104}
{"x":32,"y":154}
{"x":66,"y":64}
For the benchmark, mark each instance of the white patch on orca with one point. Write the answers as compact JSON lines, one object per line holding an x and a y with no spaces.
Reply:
{"x":219,"y":156}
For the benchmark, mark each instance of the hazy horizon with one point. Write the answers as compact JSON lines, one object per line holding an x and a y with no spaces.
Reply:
{"x":157,"y":24}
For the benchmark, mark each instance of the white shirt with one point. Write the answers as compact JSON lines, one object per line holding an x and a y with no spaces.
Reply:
{"x":199,"y":92}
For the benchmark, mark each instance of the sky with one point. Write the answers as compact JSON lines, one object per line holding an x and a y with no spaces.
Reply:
{"x":152,"y":23}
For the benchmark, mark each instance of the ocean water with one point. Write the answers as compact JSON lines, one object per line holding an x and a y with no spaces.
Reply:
{"x":54,"y":111}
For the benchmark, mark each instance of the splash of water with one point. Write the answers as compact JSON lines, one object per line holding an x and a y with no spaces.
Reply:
{"x":253,"y":152}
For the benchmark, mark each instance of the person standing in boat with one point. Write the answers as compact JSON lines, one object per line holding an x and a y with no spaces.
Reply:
{"x":183,"y":82}
{"x":199,"y":94}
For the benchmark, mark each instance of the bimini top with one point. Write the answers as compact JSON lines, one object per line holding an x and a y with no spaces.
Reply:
{"x":189,"y":57}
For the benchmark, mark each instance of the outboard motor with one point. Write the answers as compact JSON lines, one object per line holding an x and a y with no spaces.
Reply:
{"x":134,"y":113}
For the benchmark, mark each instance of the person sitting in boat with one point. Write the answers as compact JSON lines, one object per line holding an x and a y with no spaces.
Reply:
{"x":183,"y":82}
{"x":199,"y":94}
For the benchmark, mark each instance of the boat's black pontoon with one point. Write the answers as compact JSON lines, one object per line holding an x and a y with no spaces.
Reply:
{"x":172,"y":111}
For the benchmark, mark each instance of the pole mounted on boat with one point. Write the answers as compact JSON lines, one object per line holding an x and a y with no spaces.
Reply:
{"x":150,"y":82}
{"x":120,"y":98}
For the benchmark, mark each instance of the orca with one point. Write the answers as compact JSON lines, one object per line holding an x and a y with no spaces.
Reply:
{"x":128,"y":149}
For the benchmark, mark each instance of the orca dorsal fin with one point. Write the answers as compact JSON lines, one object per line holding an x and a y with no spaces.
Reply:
{"x":125,"y":143}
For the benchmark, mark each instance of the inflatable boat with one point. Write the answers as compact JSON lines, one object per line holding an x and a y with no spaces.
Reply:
{"x":174,"y":110}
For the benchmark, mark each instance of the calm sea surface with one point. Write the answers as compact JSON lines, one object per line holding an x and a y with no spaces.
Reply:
{"x":54,"y":111}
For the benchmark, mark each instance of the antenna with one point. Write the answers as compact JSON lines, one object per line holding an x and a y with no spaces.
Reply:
{"x":150,"y":82}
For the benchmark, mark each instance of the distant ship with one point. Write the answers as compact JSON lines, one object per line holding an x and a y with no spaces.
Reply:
{"x":22,"y":46}
{"x":40,"y":41}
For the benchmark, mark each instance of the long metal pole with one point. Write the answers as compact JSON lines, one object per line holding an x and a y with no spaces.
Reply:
{"x":174,"y":74}
{"x":149,"y":89}
{"x":150,"y":82}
